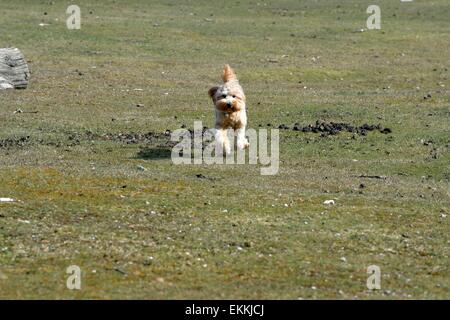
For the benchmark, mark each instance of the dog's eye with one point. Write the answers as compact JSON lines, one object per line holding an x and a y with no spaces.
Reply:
{"x":224,"y":96}
{"x":234,"y":96}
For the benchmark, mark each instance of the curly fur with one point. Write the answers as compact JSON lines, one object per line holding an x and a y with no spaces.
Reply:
{"x":230,"y":108}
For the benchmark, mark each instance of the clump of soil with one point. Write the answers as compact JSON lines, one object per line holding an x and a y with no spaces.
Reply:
{"x":333,"y":128}
{"x":132,"y":138}
{"x":75,"y":138}
{"x":123,"y":137}
{"x":14,"y":142}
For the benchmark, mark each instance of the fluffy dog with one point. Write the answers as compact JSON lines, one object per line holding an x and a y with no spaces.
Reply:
{"x":229,"y":102}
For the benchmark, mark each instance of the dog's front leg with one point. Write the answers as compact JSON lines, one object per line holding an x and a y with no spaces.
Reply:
{"x":222,"y":140}
{"x":242,"y":142}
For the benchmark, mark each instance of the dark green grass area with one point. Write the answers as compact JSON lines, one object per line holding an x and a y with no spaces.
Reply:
{"x":200,"y":231}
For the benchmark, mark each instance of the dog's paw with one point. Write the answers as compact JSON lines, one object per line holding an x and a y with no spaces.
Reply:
{"x":243,"y":144}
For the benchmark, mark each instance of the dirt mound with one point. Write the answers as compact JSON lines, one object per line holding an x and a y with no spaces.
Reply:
{"x":333,"y":128}
{"x":132,"y":138}
{"x":123,"y":137}
{"x":14,"y":142}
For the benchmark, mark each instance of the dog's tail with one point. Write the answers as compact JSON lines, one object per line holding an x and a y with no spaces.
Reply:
{"x":228,"y":74}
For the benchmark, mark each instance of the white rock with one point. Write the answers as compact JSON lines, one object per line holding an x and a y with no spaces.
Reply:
{"x":329,"y":202}
{"x":6,"y":200}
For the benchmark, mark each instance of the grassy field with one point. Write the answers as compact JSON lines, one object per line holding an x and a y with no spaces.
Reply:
{"x":226,"y":231}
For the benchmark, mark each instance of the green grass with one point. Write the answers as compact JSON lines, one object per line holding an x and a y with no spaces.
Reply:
{"x":236,"y":234}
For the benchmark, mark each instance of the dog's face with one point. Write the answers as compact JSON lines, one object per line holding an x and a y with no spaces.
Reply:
{"x":228,"y":97}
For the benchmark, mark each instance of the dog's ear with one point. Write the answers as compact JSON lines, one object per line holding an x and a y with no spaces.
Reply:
{"x":212,"y":91}
{"x":228,"y":74}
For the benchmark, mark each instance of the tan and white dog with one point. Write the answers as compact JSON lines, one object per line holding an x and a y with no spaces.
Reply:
{"x":229,"y":102}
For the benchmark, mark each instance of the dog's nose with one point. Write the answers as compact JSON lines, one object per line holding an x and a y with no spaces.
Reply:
{"x":229,"y":104}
